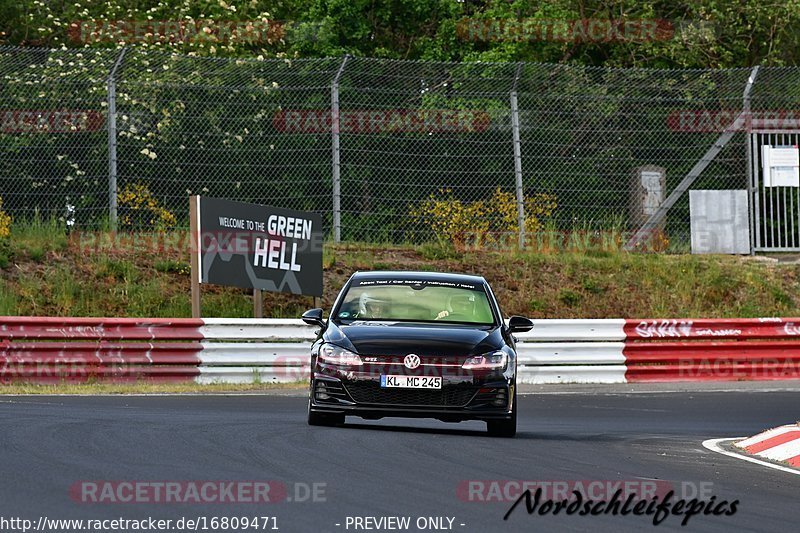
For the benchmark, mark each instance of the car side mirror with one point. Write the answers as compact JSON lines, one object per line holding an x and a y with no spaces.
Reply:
{"x":519,"y":324}
{"x":313,"y":317}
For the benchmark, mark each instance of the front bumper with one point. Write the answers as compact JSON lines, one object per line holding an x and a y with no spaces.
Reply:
{"x":489,"y":398}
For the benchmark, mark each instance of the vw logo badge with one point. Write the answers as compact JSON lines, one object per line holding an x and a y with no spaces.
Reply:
{"x":411,"y":361}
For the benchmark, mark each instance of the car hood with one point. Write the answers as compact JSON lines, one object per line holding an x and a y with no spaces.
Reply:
{"x":400,"y":338}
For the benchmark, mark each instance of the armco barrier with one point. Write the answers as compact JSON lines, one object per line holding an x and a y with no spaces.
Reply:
{"x":51,"y":350}
{"x":737,"y":349}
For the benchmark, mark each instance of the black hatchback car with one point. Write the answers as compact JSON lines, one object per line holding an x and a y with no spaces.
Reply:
{"x":415,"y":344}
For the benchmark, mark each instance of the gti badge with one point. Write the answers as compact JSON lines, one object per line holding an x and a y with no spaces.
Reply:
{"x":411,"y":361}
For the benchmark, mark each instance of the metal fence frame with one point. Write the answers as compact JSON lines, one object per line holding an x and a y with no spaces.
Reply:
{"x":518,"y":81}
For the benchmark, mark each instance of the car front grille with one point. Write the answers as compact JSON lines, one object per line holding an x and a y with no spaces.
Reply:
{"x":370,"y":392}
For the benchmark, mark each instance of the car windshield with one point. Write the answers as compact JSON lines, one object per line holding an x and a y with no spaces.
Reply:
{"x":418,"y":301}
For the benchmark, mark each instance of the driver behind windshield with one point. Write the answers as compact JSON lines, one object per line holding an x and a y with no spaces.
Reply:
{"x":460,"y":307}
{"x":371,"y":307}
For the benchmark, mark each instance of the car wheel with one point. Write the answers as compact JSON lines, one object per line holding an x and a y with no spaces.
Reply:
{"x":324,"y":419}
{"x":504,"y":428}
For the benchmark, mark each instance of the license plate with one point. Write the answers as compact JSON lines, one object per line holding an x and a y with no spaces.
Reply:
{"x":411,"y":382}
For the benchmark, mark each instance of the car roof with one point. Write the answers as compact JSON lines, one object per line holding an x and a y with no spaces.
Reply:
{"x":422,"y":276}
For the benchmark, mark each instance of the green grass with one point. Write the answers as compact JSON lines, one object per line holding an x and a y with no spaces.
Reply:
{"x":170,"y":266}
{"x":48,"y":274}
{"x":36,"y":238}
{"x":569,"y":298}
{"x":8,"y":300}
{"x":434,"y":251}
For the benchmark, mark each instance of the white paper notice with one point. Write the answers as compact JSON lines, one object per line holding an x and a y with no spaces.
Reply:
{"x":781,"y":166}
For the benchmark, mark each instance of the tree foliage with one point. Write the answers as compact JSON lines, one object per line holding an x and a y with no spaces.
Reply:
{"x":188,"y":125}
{"x":695,"y":33}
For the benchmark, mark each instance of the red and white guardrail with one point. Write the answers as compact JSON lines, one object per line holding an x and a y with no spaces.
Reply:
{"x":661,"y":350}
{"x":54,"y":350}
{"x":51,"y":350}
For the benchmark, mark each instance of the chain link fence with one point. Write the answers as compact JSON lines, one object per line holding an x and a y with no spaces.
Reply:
{"x":417,"y":150}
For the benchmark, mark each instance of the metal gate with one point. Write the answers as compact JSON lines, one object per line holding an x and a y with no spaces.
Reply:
{"x":775,"y":208}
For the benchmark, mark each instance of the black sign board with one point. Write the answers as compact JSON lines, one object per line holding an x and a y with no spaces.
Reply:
{"x":260,"y":247}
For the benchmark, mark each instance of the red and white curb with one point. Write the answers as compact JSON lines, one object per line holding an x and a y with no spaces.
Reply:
{"x":781,"y":444}
{"x":778,"y":444}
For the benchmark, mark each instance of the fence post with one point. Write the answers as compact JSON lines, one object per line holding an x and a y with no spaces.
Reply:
{"x":660,"y":214}
{"x":752,"y":189}
{"x":518,"y":159}
{"x":111,"y":123}
{"x":337,"y":184}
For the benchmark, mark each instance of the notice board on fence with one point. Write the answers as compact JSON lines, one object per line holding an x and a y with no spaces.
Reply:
{"x":258,"y":246}
{"x":720,"y":221}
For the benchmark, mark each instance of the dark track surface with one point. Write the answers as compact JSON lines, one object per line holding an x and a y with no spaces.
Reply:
{"x":392,"y":467}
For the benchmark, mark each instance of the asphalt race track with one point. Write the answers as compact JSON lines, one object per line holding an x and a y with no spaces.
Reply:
{"x":411,"y":468}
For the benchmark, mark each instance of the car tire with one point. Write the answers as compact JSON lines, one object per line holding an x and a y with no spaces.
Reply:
{"x":504,"y":428}
{"x":324,"y":419}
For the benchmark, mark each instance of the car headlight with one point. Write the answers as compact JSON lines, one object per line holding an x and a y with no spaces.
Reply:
{"x":330,"y":353}
{"x":490,"y":361}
